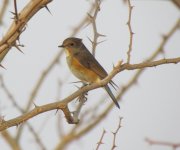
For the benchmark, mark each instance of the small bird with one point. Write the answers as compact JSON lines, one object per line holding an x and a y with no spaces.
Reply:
{"x":84,"y":65}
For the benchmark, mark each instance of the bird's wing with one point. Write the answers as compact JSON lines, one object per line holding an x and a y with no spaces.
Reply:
{"x":88,"y":61}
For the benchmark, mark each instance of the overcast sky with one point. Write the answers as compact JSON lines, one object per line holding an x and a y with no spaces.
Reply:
{"x":150,"y":109}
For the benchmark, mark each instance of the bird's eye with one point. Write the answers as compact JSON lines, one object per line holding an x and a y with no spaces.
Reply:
{"x":71,"y":44}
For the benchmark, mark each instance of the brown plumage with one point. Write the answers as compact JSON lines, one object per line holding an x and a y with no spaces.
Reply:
{"x":84,"y":65}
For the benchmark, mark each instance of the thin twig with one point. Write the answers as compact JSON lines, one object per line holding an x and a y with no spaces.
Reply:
{"x":174,"y":146}
{"x":16,"y":11}
{"x":100,"y":141}
{"x":63,"y":103}
{"x":3,"y":10}
{"x":115,"y":134}
{"x":130,"y":32}
{"x":93,"y":18}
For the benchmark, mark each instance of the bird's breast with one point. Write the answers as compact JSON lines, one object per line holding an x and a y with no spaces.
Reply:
{"x":81,"y":71}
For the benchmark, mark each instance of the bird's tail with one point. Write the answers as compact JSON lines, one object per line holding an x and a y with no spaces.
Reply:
{"x":111,"y":95}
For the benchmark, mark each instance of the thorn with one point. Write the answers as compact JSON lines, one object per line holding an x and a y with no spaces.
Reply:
{"x":16,"y":46}
{"x":76,"y":82}
{"x":100,"y":142}
{"x":24,"y":28}
{"x":113,"y":66}
{"x":113,"y":132}
{"x":120,"y":118}
{"x":2,"y":66}
{"x":101,"y":42}
{"x":35,"y":105}
{"x":101,"y":35}
{"x":48,"y":9}
{"x":56,"y":111}
{"x":12,"y":12}
{"x":17,"y":125}
{"x":114,"y":146}
{"x":90,"y":40}
{"x":90,"y":17}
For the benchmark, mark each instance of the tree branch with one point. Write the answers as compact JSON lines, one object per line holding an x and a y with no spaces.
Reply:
{"x":63,"y":104}
{"x":174,"y":146}
{"x":16,"y":11}
{"x":49,"y":68}
{"x":10,"y":140}
{"x":115,"y":134}
{"x":100,"y":140}
{"x":3,"y":9}
{"x":130,"y":32}
{"x":17,"y":28}
{"x":75,"y":135}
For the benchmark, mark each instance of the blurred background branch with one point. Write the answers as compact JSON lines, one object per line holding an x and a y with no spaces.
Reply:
{"x":91,"y":116}
{"x":3,"y":9}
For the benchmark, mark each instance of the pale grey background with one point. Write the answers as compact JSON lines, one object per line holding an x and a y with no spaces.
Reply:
{"x":150,"y":109}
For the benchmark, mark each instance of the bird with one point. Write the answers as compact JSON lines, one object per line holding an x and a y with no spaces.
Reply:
{"x":84,"y":65}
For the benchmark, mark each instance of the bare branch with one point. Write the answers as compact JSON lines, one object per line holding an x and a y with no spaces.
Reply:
{"x":177,"y":3}
{"x":92,"y":19}
{"x":11,"y":141}
{"x":16,"y":11}
{"x":17,"y":28}
{"x":130,"y":32}
{"x":100,"y":141}
{"x":37,"y":110}
{"x":75,"y":135}
{"x":115,"y":134}
{"x":63,"y":104}
{"x":174,"y":146}
{"x":3,"y":9}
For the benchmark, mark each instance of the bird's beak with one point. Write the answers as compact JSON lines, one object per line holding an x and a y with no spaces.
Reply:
{"x":62,"y":46}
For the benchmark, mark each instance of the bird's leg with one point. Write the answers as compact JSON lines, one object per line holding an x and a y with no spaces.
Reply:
{"x":81,"y":99}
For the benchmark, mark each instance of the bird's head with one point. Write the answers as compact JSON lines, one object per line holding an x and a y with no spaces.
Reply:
{"x":72,"y":45}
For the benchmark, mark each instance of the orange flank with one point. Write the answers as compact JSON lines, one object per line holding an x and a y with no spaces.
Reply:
{"x":82,"y":72}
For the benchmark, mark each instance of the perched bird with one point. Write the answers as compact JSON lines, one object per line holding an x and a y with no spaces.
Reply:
{"x":84,"y":65}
